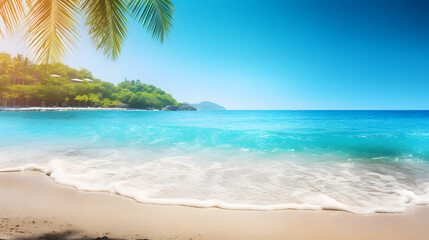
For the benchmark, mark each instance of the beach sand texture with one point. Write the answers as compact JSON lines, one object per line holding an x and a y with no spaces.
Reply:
{"x":32,"y":206}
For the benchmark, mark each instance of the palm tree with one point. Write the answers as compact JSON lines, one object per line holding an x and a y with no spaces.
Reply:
{"x":25,"y":67}
{"x":16,"y":67}
{"x":51,"y":26}
{"x":5,"y":66}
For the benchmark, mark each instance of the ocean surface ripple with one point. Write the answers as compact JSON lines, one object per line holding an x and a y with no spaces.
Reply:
{"x":357,"y":161}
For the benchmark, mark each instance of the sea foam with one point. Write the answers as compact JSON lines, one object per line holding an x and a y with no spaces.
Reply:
{"x":357,"y":161}
{"x":238,"y":181}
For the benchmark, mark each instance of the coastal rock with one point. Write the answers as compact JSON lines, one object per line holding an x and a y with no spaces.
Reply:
{"x":180,"y":107}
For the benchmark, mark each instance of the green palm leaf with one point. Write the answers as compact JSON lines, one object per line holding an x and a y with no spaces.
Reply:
{"x":11,"y":12}
{"x":155,"y":15}
{"x":52,"y":28}
{"x":52,"y":24}
{"x":107,"y":20}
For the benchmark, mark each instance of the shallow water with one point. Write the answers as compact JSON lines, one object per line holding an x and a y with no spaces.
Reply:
{"x":357,"y":161}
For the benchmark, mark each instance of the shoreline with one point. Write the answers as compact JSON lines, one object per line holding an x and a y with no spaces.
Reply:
{"x":33,"y":205}
{"x":58,"y":109}
{"x":64,"y":109}
{"x":279,"y":207}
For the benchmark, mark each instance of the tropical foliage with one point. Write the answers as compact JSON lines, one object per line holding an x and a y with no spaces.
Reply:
{"x":23,"y":84}
{"x":51,"y":26}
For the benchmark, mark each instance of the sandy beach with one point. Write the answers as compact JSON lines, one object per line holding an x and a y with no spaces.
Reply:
{"x":214,"y":120}
{"x":32,"y":205}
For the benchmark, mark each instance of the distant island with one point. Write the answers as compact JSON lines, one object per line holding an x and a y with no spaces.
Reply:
{"x":24,"y":84}
{"x":206,"y":105}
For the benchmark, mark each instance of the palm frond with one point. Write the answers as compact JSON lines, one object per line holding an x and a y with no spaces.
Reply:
{"x":155,"y":15}
{"x":11,"y":12}
{"x":107,"y":20}
{"x":52,"y":28}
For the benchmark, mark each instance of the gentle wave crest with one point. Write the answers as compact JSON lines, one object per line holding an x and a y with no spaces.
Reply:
{"x":240,"y":181}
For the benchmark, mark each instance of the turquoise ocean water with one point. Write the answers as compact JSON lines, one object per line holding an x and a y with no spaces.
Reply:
{"x":357,"y":161}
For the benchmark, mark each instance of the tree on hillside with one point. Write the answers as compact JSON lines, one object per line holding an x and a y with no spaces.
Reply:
{"x":125,"y":95}
{"x":54,"y":94}
{"x":14,"y":93}
{"x":55,"y":90}
{"x":27,"y":92}
{"x":16,"y":67}
{"x":85,"y":73}
{"x":106,"y":102}
{"x":6,"y":96}
{"x":5,"y":63}
{"x":4,"y":82}
{"x":94,"y":99}
{"x":25,"y":66}
{"x":79,"y":98}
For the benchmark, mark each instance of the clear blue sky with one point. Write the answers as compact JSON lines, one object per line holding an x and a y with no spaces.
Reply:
{"x":279,"y":54}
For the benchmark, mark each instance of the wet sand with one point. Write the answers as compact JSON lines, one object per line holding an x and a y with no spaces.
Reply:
{"x":32,"y":205}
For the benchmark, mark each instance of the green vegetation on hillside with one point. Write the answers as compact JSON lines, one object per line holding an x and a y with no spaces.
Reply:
{"x":22,"y":84}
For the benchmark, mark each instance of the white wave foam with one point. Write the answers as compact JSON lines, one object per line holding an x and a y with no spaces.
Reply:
{"x":233,"y":180}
